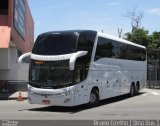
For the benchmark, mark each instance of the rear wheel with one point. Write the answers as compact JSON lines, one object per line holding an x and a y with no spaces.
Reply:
{"x":94,"y":98}
{"x":137,"y":89}
{"x":132,"y":90}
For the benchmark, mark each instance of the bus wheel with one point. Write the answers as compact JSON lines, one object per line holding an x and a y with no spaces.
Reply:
{"x":132,"y":90}
{"x":94,"y":98}
{"x":137,"y":89}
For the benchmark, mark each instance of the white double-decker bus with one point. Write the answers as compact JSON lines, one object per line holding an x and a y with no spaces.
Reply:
{"x":70,"y":68}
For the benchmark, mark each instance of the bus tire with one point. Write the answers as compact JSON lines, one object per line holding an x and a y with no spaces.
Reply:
{"x":132,"y":90}
{"x":94,"y":98}
{"x":137,"y":89}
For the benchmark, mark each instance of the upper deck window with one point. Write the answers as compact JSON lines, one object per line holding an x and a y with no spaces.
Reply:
{"x":55,"y":44}
{"x":60,"y":43}
{"x":3,"y":7}
{"x":107,"y":48}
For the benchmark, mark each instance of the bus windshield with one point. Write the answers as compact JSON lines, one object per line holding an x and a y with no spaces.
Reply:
{"x":56,"y":44}
{"x":46,"y":74}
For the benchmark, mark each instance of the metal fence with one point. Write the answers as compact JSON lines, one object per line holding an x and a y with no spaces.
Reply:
{"x":153,"y":70}
{"x":153,"y":78}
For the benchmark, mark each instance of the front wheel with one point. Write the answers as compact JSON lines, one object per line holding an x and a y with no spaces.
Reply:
{"x":94,"y":98}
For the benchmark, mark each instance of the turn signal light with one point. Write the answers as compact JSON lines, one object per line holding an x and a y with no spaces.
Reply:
{"x":39,"y":62}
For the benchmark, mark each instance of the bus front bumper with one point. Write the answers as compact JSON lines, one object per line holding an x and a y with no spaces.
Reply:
{"x":57,"y":97}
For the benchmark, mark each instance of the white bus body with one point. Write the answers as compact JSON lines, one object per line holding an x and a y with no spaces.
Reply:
{"x":116,"y":67}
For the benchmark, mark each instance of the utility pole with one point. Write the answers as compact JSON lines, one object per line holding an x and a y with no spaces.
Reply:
{"x":120,"y":32}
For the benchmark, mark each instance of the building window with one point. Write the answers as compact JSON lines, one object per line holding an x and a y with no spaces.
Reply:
{"x":3,"y":7}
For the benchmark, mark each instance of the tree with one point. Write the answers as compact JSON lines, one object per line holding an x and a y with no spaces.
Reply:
{"x":154,"y":40}
{"x":136,"y":17}
{"x":139,"y":36}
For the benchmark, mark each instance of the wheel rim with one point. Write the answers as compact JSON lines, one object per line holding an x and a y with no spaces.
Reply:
{"x":92,"y":98}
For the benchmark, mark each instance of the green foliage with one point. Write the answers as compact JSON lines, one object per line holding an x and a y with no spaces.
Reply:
{"x":141,"y":36}
{"x":154,"y":40}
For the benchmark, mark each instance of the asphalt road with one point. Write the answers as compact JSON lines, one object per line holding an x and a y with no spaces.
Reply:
{"x":144,"y":106}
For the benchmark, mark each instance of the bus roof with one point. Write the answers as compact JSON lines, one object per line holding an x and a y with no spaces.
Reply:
{"x":99,"y":33}
{"x":119,"y":39}
{"x":66,"y":31}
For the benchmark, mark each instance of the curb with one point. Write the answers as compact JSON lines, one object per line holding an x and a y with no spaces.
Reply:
{"x":12,"y":96}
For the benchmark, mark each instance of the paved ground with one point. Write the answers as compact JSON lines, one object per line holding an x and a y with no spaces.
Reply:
{"x":144,"y":106}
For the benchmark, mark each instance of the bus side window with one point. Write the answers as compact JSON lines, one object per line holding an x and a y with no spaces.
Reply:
{"x":106,"y":48}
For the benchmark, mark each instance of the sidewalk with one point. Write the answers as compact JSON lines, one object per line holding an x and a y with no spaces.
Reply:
{"x":13,"y":96}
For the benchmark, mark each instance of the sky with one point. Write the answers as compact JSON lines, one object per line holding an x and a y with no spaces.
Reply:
{"x":106,"y":15}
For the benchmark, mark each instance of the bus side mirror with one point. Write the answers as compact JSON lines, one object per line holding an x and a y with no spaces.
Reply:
{"x":24,"y":58}
{"x":74,"y":57}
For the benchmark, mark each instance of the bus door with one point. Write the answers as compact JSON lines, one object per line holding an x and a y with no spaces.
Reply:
{"x":80,"y":75}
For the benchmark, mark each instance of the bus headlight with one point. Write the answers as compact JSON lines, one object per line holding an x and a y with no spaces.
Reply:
{"x":66,"y":93}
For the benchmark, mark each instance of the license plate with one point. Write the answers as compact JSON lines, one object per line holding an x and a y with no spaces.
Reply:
{"x":46,"y":102}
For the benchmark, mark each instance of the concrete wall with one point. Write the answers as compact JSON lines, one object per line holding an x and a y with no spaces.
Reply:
{"x":4,"y":59}
{"x":10,"y":69}
{"x":23,"y":71}
{"x":8,"y":64}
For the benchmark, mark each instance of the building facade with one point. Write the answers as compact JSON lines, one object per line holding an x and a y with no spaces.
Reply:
{"x":16,"y":36}
{"x":17,"y":24}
